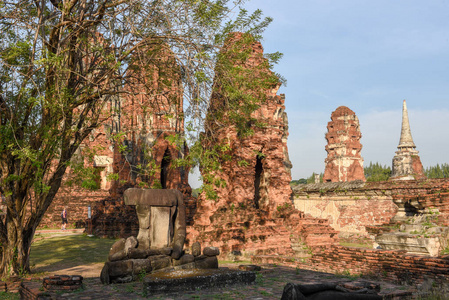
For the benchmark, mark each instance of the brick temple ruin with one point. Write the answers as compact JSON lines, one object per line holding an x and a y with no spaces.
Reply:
{"x":407,"y":220}
{"x":344,"y":161}
{"x":139,"y":141}
{"x":256,"y":214}
{"x":253,"y":213}
{"x":406,"y":163}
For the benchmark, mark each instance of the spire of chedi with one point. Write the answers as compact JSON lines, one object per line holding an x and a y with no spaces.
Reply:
{"x":406,"y":163}
{"x":406,"y":141}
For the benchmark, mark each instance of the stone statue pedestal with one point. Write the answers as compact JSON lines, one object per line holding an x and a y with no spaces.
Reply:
{"x":159,"y":243}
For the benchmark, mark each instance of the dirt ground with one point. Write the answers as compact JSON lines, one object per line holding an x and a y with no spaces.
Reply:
{"x":269,"y":284}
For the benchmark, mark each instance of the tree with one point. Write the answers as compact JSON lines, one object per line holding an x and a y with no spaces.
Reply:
{"x":377,"y":172}
{"x":62,"y":62}
{"x":438,"y":171}
{"x":311,"y":179}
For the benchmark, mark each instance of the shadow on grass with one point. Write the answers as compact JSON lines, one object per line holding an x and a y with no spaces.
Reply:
{"x":62,"y":252}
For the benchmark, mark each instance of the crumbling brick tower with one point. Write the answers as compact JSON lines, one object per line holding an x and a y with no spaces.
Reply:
{"x":257,"y":173}
{"x":406,"y":163}
{"x":151,"y":118}
{"x":148,"y":124}
{"x":344,"y":161}
{"x":252,"y":213}
{"x":148,"y":119}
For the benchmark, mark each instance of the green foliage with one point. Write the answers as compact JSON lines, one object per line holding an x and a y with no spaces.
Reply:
{"x":196,"y":192}
{"x":311,"y":178}
{"x":9,"y":296}
{"x":438,"y":171}
{"x":299,"y":181}
{"x":377,"y":172}
{"x":284,"y":206}
{"x":142,"y":275}
{"x":62,"y":65}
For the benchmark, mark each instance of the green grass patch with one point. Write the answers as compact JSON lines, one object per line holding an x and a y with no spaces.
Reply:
{"x":234,"y":262}
{"x":9,"y":296}
{"x":68,"y":251}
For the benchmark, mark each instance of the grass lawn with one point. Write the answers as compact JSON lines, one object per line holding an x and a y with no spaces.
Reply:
{"x":61,"y":252}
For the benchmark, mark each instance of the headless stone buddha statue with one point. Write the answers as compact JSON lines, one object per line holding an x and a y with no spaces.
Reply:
{"x":159,"y":243}
{"x":162,"y":219}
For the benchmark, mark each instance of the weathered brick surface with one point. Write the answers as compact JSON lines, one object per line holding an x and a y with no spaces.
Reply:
{"x":396,"y":266}
{"x":344,"y":161}
{"x":77,"y":201}
{"x":391,"y":265}
{"x":32,"y":291}
{"x":62,"y":282}
{"x":257,"y":167}
{"x":244,"y":231}
{"x":352,"y":208}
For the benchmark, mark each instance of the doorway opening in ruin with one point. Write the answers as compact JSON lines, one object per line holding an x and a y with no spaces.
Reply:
{"x":257,"y":180}
{"x":164,"y":168}
{"x":98,"y":177}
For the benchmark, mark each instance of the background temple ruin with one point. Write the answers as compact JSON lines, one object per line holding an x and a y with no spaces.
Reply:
{"x":344,"y":161}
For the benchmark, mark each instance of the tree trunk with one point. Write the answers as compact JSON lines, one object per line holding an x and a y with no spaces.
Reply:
{"x":16,"y":252}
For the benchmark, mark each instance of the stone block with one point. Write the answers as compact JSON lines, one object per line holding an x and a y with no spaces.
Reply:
{"x":104,"y":275}
{"x":130,"y":243}
{"x":188,"y":280}
{"x":159,"y":226}
{"x":118,"y":256}
{"x":160,"y":251}
{"x":196,"y":249}
{"x":120,"y":268}
{"x":211,"y":251}
{"x":141,"y":266}
{"x":117,"y":247}
{"x":185,"y":259}
{"x":206,"y":262}
{"x":137,"y":253}
{"x":188,"y":266}
{"x":160,"y":262}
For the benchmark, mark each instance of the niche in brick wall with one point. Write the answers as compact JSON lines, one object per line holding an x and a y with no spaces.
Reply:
{"x":165,"y":164}
{"x":257,"y":180}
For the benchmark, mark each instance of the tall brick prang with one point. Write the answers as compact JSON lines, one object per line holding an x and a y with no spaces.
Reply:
{"x":406,"y":163}
{"x":150,"y":123}
{"x":344,"y":161}
{"x":252,"y":214}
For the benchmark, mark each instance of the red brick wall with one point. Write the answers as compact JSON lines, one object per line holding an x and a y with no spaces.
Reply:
{"x":389,"y":265}
{"x":76,"y":200}
{"x":393,"y":265}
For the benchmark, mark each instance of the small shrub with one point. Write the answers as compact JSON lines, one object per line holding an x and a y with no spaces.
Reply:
{"x":142,"y":275}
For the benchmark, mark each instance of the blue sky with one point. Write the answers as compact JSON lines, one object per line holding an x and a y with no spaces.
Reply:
{"x":369,"y":56}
